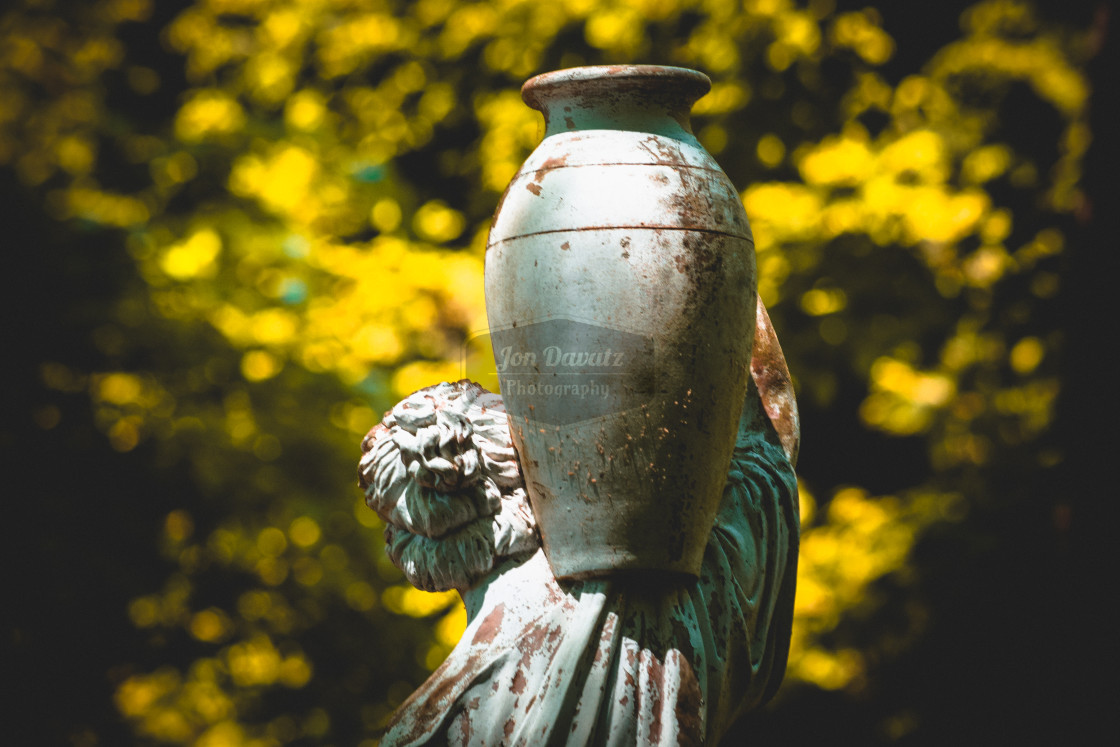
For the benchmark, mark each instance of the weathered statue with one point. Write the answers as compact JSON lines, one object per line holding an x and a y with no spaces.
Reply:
{"x":619,"y":660}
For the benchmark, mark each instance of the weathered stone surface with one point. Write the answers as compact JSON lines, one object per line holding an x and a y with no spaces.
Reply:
{"x":627,"y":660}
{"x":654,"y":603}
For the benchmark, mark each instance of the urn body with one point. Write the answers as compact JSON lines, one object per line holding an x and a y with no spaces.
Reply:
{"x":620,"y":290}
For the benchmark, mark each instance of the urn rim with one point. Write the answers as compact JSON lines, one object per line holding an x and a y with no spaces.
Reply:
{"x":690,"y":84}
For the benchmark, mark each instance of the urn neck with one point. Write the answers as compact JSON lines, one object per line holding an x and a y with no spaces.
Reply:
{"x":642,"y":98}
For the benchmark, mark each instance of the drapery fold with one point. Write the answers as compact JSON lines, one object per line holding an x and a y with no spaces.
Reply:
{"x":628,"y":661}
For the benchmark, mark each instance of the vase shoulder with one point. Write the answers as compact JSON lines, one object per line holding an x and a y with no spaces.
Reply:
{"x":598,"y":179}
{"x":614,"y":147}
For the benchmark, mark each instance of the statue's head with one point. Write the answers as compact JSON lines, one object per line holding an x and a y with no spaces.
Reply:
{"x":442,"y":473}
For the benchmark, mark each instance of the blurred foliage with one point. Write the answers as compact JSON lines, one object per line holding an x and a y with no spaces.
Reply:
{"x":303,"y":189}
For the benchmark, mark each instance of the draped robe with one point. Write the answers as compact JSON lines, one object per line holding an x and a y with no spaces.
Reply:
{"x":629,"y":660}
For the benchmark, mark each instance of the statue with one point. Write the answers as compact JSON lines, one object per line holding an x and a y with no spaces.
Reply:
{"x":628,"y":566}
{"x":634,"y":659}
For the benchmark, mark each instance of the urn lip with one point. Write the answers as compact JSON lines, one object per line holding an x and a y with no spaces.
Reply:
{"x":685,"y":84}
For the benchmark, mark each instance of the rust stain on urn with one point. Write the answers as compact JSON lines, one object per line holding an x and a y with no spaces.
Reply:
{"x":551,"y":163}
{"x":534,"y":188}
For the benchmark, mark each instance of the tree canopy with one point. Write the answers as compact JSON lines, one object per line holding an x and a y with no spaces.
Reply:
{"x":246,"y":228}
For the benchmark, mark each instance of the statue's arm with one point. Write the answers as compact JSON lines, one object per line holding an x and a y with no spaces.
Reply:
{"x":750,"y":565}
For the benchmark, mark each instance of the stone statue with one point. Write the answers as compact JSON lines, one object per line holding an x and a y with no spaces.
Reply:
{"x":652,"y":658}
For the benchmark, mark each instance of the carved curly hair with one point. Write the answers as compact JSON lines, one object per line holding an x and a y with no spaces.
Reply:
{"x":441,"y":471}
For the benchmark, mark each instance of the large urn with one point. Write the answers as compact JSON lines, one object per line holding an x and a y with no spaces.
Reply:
{"x":620,"y":288}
